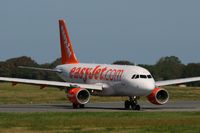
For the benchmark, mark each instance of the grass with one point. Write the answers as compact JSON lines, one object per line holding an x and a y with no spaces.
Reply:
{"x":28,"y":94}
{"x":185,"y":93}
{"x":111,"y":122}
{"x":25,"y":94}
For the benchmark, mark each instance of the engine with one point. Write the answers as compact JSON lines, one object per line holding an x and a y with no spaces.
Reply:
{"x":158,"y":96}
{"x":78,"y":96}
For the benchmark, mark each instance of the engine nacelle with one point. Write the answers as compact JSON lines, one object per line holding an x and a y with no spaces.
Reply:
{"x":158,"y":96}
{"x":78,"y":96}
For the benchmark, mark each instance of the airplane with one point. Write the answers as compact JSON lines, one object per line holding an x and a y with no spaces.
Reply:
{"x":81,"y":80}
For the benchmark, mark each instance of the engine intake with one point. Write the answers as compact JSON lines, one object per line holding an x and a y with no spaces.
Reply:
{"x":159,"y":96}
{"x":78,"y":96}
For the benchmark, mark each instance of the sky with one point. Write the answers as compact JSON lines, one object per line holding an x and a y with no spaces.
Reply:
{"x":102,"y":31}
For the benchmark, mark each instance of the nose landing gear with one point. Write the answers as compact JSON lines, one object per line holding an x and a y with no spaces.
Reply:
{"x":132,"y":103}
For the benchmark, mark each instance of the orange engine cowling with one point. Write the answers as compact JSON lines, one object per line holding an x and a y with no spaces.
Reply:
{"x":78,"y":96}
{"x":158,"y":96}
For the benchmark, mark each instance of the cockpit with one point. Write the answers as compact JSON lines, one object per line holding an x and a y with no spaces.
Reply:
{"x":137,"y":76}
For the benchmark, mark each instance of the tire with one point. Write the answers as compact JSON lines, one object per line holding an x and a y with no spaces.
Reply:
{"x":127,"y":104}
{"x":137,"y":107}
{"x":133,"y":106}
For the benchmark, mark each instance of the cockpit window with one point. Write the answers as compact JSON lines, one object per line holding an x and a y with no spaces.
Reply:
{"x":137,"y":77}
{"x":149,"y":76}
{"x":143,"y":76}
{"x":133,"y":76}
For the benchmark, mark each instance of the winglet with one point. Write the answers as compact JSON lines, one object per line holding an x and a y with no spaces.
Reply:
{"x":67,"y":53}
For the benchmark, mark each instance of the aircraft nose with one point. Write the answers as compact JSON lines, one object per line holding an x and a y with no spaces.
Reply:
{"x":149,"y":86}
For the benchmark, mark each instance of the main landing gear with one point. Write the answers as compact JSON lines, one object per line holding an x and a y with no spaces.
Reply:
{"x":76,"y":106}
{"x":132,"y":103}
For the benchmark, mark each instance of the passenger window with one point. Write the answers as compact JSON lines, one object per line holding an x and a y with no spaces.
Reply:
{"x":143,"y":76}
{"x":133,"y":76}
{"x":149,"y":76}
{"x":137,"y":77}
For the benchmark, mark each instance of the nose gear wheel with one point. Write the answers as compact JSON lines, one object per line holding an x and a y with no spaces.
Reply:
{"x":132,"y":103}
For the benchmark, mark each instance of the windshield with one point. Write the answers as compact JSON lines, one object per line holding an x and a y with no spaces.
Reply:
{"x":142,"y":76}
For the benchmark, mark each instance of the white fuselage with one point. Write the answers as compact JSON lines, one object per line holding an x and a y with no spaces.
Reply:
{"x":117,"y":80}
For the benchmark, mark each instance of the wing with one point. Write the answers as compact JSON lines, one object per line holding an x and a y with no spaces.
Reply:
{"x":44,"y":83}
{"x":177,"y":81}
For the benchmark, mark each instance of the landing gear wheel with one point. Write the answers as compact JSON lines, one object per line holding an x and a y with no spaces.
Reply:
{"x":137,"y":107}
{"x":133,"y":106}
{"x":127,"y":104}
{"x":132,"y":102}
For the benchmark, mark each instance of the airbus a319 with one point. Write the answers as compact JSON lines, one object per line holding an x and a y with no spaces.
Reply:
{"x":81,"y":80}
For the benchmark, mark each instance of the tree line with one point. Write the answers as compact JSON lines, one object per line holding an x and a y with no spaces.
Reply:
{"x":165,"y":68}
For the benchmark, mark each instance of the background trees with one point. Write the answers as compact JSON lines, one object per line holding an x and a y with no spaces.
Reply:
{"x":169,"y":68}
{"x":192,"y":70}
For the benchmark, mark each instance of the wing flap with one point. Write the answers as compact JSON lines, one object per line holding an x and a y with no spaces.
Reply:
{"x":50,"y":83}
{"x":177,"y":81}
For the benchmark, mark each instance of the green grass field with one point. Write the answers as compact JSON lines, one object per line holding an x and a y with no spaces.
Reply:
{"x":28,"y":94}
{"x":25,"y":94}
{"x":121,"y":122}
